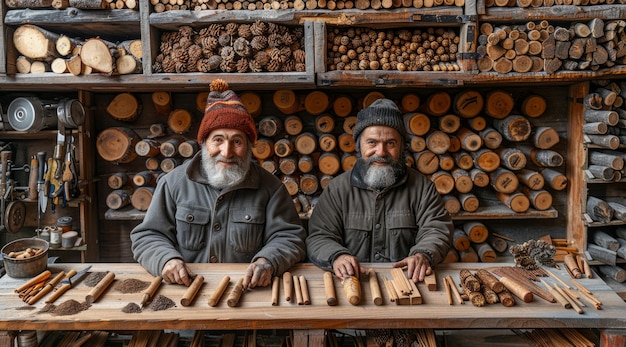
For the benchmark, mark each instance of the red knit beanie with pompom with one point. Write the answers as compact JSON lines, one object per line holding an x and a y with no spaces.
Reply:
{"x":224,"y":110}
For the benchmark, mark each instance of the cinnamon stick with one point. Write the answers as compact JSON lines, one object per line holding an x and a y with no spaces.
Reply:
{"x":104,"y":283}
{"x":191,"y":292}
{"x":219,"y":291}
{"x":329,"y":289}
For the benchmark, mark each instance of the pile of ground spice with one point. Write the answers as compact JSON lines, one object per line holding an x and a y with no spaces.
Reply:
{"x":132,"y":308}
{"x":48,"y":308}
{"x":161,"y":302}
{"x":131,"y":285}
{"x":67,"y":308}
{"x":94,"y":278}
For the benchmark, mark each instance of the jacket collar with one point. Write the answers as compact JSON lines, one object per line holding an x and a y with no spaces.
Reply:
{"x":358,"y":171}
{"x":195,"y":172}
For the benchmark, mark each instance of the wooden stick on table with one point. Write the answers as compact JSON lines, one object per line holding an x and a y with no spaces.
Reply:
{"x":149,"y":292}
{"x":377,"y":296}
{"x":574,"y":305}
{"x":219,"y":291}
{"x":556,"y":278}
{"x":39,"y":278}
{"x":275,"y":289}
{"x":448,"y":291}
{"x":329,"y":289}
{"x":306,"y":298}
{"x":191,"y":292}
{"x":104,"y":283}
{"x":298,"y":290}
{"x":235,"y":294}
{"x":62,"y":289}
{"x":454,"y":289}
{"x":45,"y":290}
{"x":352,"y":288}
{"x":287,"y":286}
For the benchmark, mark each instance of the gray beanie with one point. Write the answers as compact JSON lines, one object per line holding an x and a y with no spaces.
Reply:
{"x":380,"y":112}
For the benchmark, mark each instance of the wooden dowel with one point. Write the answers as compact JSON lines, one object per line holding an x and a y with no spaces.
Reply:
{"x":152,"y":288}
{"x":306,"y":298}
{"x":377,"y":297}
{"x":575,"y":307}
{"x":45,"y":290}
{"x":191,"y":292}
{"x":96,"y":291}
{"x":502,"y":237}
{"x":219,"y":291}
{"x":287,"y":286}
{"x":298,"y":290}
{"x":235,"y":294}
{"x":448,"y":291}
{"x":39,"y":278}
{"x":559,"y":298}
{"x":275,"y":288}
{"x":352,"y":289}
{"x":455,"y":290}
{"x":556,"y":278}
{"x":329,"y":289}
{"x":517,"y":289}
{"x":393,"y":295}
{"x":574,"y":296}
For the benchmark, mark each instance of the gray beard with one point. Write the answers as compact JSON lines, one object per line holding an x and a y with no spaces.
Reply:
{"x":379,"y":177}
{"x":221,"y":177}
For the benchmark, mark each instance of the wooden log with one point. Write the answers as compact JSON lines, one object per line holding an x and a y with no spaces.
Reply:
{"x":263,"y":148}
{"x":469,"y":140}
{"x":542,"y":157}
{"x":602,"y":254}
{"x":517,"y":289}
{"x":469,"y":281}
{"x":460,"y":241}
{"x":491,"y":138}
{"x":127,"y":64}
{"x":426,"y":162}
{"x":293,"y":125}
{"x":486,"y":254}
{"x":600,"y":172}
{"x":437,"y":104}
{"x":498,"y":104}
{"x":316,"y":102}
{"x":606,"y":116}
{"x":607,"y":141}
{"x":476,"y":231}
{"x":621,"y":251}
{"x":463,"y":160}
{"x":179,"y":121}
{"x":329,"y":163}
{"x":343,"y":105}
{"x":451,"y":203}
{"x":533,"y":106}
{"x":503,"y":180}
{"x":348,"y":160}
{"x":486,"y":159}
{"x":147,"y":148}
{"x":595,"y":128}
{"x":468,"y":256}
{"x":28,"y":3}
{"x":613,"y":161}
{"x":541,"y":199}
{"x":462,"y":181}
{"x":605,"y":240}
{"x":444,"y":182}
{"x":305,"y":143}
{"x":446,"y":162}
{"x":455,"y":144}
{"x":141,"y":198}
{"x":417,"y":143}
{"x":531,"y":179}
{"x":437,"y":142}
{"x":162,"y":102}
{"x":598,"y":210}
{"x":497,"y":243}
{"x":327,"y":142}
{"x":619,"y":210}
{"x":288,"y":165}
{"x":417,"y":123}
{"x":468,"y":104}
{"x":545,"y":137}
{"x":35,"y":43}
{"x":270,"y":126}
{"x":134,"y":47}
{"x":554,"y":179}
{"x":118,"y":198}
{"x":89,"y":4}
{"x":287,"y":101}
{"x":477,"y":123}
{"x":511,"y":158}
{"x":324,"y":123}
{"x":309,"y":184}
{"x":188,"y":148}
{"x":469,"y":202}
{"x":96,"y":53}
{"x":514,"y":128}
{"x":516,"y":201}
{"x":283,"y":148}
{"x":479,"y":177}
{"x":614,"y":272}
{"x":449,"y":123}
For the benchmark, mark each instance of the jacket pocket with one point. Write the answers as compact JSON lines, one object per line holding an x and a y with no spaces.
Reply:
{"x":357,"y":236}
{"x":191,"y":222}
{"x":402,"y":232}
{"x":246,"y":230}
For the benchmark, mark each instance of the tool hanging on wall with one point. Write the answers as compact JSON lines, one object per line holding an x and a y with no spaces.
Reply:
{"x":5,"y":157}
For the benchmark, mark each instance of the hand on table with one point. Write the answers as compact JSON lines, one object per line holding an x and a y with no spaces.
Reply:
{"x":176,"y":271}
{"x":417,"y":266}
{"x":258,"y":274}
{"x":347,"y":265}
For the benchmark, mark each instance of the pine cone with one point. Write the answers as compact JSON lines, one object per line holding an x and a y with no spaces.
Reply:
{"x":213,"y":30}
{"x":185,"y":42}
{"x":299,"y":56}
{"x":242,"y":65}
{"x":231,"y":28}
{"x":254,"y":66}
{"x":288,"y":66}
{"x":228,"y":66}
{"x":262,"y":58}
{"x":258,"y":28}
{"x":165,"y":47}
{"x":244,"y":31}
{"x":274,"y":66}
{"x":227,"y":53}
{"x":300,"y":67}
{"x":288,"y":39}
{"x":274,"y":40}
{"x":242,"y":47}
{"x":157,"y":67}
{"x":259,"y":42}
{"x":195,"y":54}
{"x":168,"y":64}
{"x":285,"y":54}
{"x":208,"y":43}
{"x":180,"y":55}
{"x":225,"y":40}
{"x":159,"y":58}
{"x":180,"y":67}
{"x":185,"y":31}
{"x":274,"y":54}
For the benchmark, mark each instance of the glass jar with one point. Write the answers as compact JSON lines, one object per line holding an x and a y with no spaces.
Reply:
{"x":55,"y":237}
{"x":65,"y":223}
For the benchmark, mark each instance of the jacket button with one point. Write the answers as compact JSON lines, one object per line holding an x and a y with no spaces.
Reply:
{"x":213,"y":259}
{"x":217,"y":226}
{"x":377,"y":256}
{"x":377,"y":226}
{"x":189,"y":218}
{"x":247,"y":217}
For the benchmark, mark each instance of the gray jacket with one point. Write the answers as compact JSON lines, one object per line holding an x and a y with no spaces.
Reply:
{"x":407,"y":218}
{"x":190,"y":220}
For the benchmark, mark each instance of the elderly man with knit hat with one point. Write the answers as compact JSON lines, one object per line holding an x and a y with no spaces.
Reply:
{"x":380,"y":211}
{"x":220,"y":206}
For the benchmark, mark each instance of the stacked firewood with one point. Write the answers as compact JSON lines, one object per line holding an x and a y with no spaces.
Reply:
{"x":43,"y":51}
{"x":431,"y":49}
{"x":543,"y":47}
{"x":232,"y":47}
{"x":79,"y":4}
{"x":200,"y":5}
{"x":547,"y":3}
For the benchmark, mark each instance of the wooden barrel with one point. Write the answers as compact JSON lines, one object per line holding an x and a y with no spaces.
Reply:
{"x":117,"y":144}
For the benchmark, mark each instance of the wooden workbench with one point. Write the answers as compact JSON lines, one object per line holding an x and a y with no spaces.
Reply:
{"x":255,"y":310}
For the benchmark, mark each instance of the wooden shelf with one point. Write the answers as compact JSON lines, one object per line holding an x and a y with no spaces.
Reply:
{"x":125,"y":213}
{"x":559,"y":13}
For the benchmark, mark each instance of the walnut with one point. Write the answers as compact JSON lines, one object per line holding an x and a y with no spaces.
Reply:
{"x":259,"y":42}
{"x":242,"y":65}
{"x":244,"y":31}
{"x":225,"y":40}
{"x":241,"y":46}
{"x":258,"y":28}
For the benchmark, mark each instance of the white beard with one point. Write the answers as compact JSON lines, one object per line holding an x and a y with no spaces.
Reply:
{"x":220,"y":176}
{"x":379,"y":177}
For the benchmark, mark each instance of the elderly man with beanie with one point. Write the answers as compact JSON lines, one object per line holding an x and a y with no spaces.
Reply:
{"x":220,"y":206}
{"x":381,"y":210}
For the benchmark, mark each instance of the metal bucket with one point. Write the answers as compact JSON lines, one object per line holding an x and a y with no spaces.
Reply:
{"x":29,"y":267}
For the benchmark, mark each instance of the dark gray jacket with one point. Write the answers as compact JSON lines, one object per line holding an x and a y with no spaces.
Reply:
{"x":404,"y":219}
{"x":190,"y":220}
